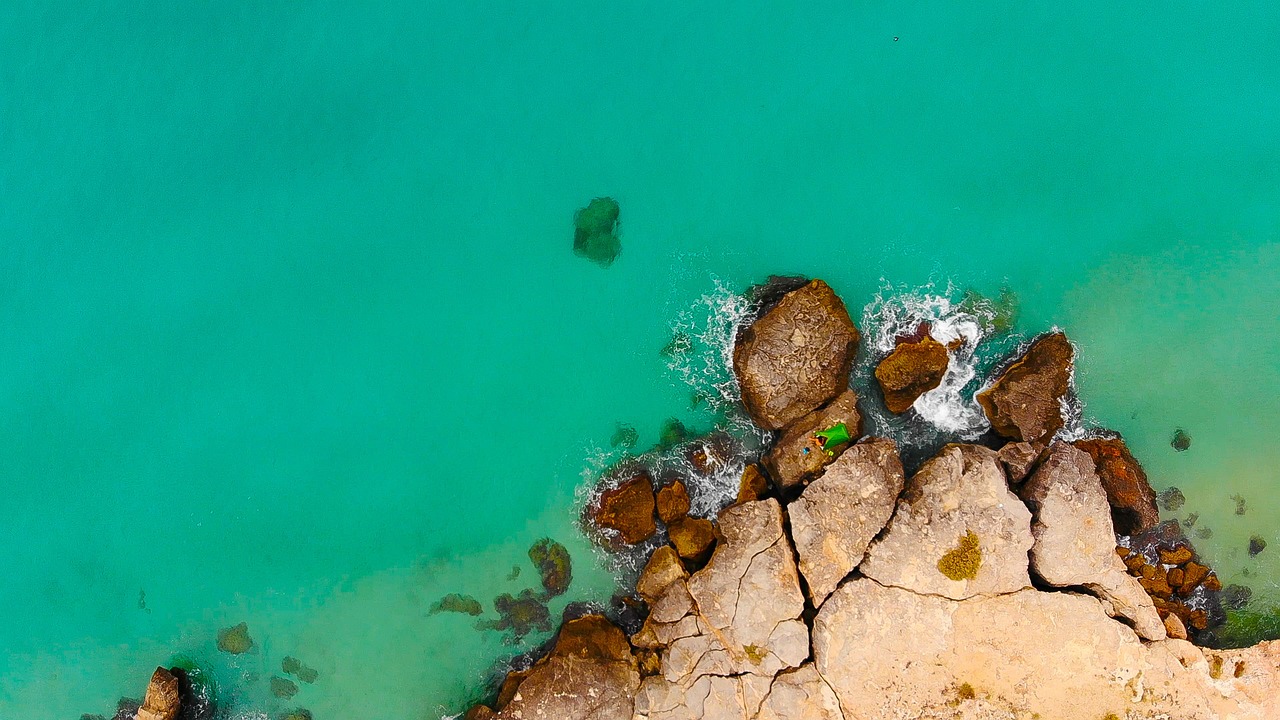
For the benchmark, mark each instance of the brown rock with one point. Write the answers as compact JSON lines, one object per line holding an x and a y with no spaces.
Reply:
{"x":662,"y":569}
{"x":911,"y":370}
{"x":796,"y":357}
{"x":1174,"y":628}
{"x":1179,"y":555}
{"x":162,"y":701}
{"x":798,"y":455}
{"x":673,"y":502}
{"x":590,"y":674}
{"x":1212,"y":583}
{"x":753,"y":485}
{"x":693,"y":538}
{"x":1193,"y":574}
{"x":1019,"y":459}
{"x":628,"y":510}
{"x":1024,"y":403}
{"x":1176,"y":577}
{"x":479,"y":712}
{"x":1133,"y":502}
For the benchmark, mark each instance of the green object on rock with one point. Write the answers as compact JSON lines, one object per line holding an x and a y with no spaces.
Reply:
{"x":837,"y":434}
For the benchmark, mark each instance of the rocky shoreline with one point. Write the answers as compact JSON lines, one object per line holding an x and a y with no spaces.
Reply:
{"x":1026,"y":575}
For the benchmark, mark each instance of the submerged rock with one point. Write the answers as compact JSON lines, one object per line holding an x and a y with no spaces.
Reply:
{"x":235,"y":639}
{"x":960,"y":493}
{"x":1241,"y":505}
{"x":294,"y":666}
{"x":837,"y":516}
{"x":555,"y":567}
{"x":799,"y":454}
{"x":1171,"y":499}
{"x":1181,"y":440}
{"x":163,"y":699}
{"x":911,"y":370}
{"x":672,"y":433}
{"x":796,"y":357}
{"x":1025,"y":402}
{"x":1133,"y":502}
{"x":520,"y":614}
{"x":1256,"y":545}
{"x":624,"y":436}
{"x":595,"y":231}
{"x":297,"y":714}
{"x":283,"y":687}
{"x":454,"y":603}
{"x":627,"y":510}
{"x":1074,"y":540}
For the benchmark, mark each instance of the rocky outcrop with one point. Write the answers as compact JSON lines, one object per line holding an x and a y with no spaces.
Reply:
{"x":836,"y":517}
{"x":798,"y":455}
{"x":1133,"y":502}
{"x":957,"y":532}
{"x":673,"y":502}
{"x":1019,"y":459}
{"x":911,"y":370}
{"x":693,"y":538}
{"x":752,"y":485}
{"x":1074,"y":541}
{"x":162,"y":701}
{"x":795,"y":358}
{"x":1025,"y":402}
{"x":888,"y":653}
{"x":590,"y":674}
{"x":626,"y":511}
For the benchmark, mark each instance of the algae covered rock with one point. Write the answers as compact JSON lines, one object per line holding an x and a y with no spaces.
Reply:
{"x":293,"y":666}
{"x":796,"y":357}
{"x":595,"y":231}
{"x":1025,"y":402}
{"x":1133,"y":502}
{"x":911,"y":370}
{"x":520,"y":614}
{"x":283,"y":687}
{"x":1181,"y":441}
{"x":235,"y":639}
{"x":554,"y":566}
{"x":454,"y":603}
{"x":624,"y":436}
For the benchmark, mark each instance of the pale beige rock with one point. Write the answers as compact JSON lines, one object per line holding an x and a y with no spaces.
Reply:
{"x":890,"y":653}
{"x":800,"y":694}
{"x":838,"y":515}
{"x":959,"y":491}
{"x":664,"y":567}
{"x":704,"y":698}
{"x":162,"y":701}
{"x":1074,"y":540}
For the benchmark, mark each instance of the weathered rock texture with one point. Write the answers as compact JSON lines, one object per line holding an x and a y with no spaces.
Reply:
{"x":590,"y":674}
{"x":1019,"y":459}
{"x":1025,"y":402}
{"x":1075,"y":544}
{"x":162,"y":701}
{"x":956,"y":511}
{"x":836,"y":518}
{"x":1133,"y":502}
{"x":627,"y":510}
{"x":795,"y":358}
{"x":798,"y":455}
{"x":911,"y":370}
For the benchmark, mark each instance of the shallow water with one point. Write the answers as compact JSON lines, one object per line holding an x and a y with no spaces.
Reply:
{"x":294,"y":333}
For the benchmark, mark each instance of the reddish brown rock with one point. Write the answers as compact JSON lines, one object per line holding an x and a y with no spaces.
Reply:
{"x":693,"y":538}
{"x":1174,"y":628}
{"x":753,"y":485}
{"x":627,"y":510}
{"x":1133,"y":502}
{"x":673,"y":502}
{"x":798,"y":455}
{"x":1019,"y":459}
{"x":796,"y":357}
{"x":707,"y":455}
{"x":911,"y":370}
{"x":1024,"y":403}
{"x":1178,"y":555}
{"x":162,"y":701}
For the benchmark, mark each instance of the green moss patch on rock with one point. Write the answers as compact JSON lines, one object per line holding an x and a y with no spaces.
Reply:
{"x":963,"y":561}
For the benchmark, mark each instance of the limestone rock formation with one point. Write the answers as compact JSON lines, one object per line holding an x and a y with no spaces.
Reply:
{"x":1019,"y":459}
{"x":796,"y":357}
{"x":1025,"y":402}
{"x":839,"y":514}
{"x":627,"y":510}
{"x":590,"y":674}
{"x":162,"y":701}
{"x":673,"y":502}
{"x":957,"y":532}
{"x":693,"y":538}
{"x":1133,"y":502}
{"x":890,"y":653}
{"x":752,"y":485}
{"x":800,"y":694}
{"x":798,"y":455}
{"x":911,"y":370}
{"x":1074,"y":541}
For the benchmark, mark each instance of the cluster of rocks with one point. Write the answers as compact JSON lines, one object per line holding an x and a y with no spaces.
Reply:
{"x":986,"y":584}
{"x":526,"y":611}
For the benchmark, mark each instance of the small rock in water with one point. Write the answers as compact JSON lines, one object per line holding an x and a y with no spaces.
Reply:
{"x":456,"y":603}
{"x":673,"y":433}
{"x":554,"y":565}
{"x":235,"y":640}
{"x":283,"y":687}
{"x":299,"y":714}
{"x":628,"y":509}
{"x":1240,"y":504}
{"x":680,"y":344}
{"x":521,"y":614}
{"x":1181,"y":440}
{"x":673,"y":502}
{"x":515,"y":573}
{"x":1256,"y":545}
{"x":1235,"y":597}
{"x":1204,"y":533}
{"x":911,"y":370}
{"x":1190,"y":520}
{"x":595,"y":231}
{"x":294,"y":666}
{"x":127,"y":709}
{"x":624,"y":436}
{"x":1171,"y":499}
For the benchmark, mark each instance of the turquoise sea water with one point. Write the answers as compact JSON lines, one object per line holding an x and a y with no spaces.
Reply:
{"x":274,"y":277}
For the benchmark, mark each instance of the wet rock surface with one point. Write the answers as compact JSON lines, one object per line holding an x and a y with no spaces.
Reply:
{"x":162,"y":701}
{"x":1025,"y":402}
{"x":235,"y":639}
{"x":627,"y":511}
{"x":555,"y":567}
{"x":795,"y":358}
{"x":911,"y":370}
